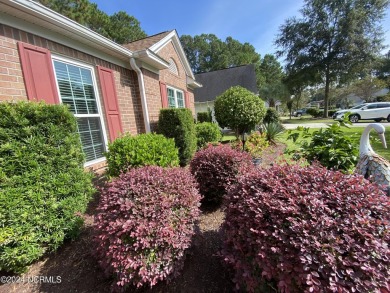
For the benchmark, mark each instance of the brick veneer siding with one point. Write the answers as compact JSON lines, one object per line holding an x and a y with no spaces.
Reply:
{"x":152,"y":86}
{"x":12,"y":86}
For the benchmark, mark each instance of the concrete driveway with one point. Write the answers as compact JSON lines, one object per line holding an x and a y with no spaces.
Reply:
{"x":324,"y":125}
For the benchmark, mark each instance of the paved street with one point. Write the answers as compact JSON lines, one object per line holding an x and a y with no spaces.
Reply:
{"x":323,"y":125}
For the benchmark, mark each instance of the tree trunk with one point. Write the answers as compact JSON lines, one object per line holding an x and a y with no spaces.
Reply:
{"x":326,"y":98}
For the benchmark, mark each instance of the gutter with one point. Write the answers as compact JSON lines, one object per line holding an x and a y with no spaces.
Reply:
{"x":51,"y":20}
{"x":143,"y":94}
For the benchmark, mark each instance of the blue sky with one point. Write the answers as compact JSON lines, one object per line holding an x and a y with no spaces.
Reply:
{"x":253,"y":21}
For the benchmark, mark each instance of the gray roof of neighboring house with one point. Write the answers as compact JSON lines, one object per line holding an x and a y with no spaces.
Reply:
{"x":216,"y":82}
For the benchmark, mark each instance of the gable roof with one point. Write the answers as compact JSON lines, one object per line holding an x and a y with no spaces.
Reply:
{"x":145,"y":43}
{"x":216,"y":82}
{"x":156,"y":42}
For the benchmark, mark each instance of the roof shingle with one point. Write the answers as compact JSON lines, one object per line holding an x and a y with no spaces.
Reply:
{"x":145,"y":43}
{"x":216,"y":82}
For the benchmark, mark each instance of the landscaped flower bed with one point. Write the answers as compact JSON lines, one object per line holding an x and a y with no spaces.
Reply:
{"x":307,"y":229}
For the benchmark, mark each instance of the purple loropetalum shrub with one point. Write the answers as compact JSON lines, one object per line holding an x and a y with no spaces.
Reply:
{"x":145,"y":223}
{"x":307,"y":229}
{"x":216,"y":168}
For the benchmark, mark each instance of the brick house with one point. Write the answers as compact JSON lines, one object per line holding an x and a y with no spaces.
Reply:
{"x":110,"y":88}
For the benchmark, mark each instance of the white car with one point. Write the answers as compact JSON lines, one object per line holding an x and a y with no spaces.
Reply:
{"x":368,"y":111}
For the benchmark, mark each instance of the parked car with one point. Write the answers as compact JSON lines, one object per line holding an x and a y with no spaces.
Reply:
{"x":368,"y":111}
{"x":299,"y":112}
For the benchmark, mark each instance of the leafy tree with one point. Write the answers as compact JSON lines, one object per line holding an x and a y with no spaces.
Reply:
{"x":272,"y":92}
{"x":340,"y":96}
{"x":271,"y":86}
{"x":239,"y":109}
{"x":367,"y":87}
{"x":383,"y":68}
{"x":119,"y":27}
{"x":271,"y":69}
{"x":206,"y":52}
{"x":333,"y":40}
{"x":78,"y":10}
{"x":124,"y":28}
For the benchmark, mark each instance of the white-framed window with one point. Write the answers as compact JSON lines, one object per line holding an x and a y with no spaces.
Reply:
{"x":175,"y":98}
{"x":76,"y":86}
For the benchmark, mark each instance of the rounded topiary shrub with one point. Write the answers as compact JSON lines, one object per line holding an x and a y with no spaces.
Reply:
{"x":145,"y":223}
{"x":307,"y":229}
{"x":141,"y":150}
{"x":207,"y":132}
{"x":216,"y":168}
{"x":239,"y":109}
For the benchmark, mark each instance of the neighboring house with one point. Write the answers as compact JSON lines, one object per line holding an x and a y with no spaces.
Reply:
{"x":354,"y":100}
{"x":216,"y":82}
{"x":110,"y":88}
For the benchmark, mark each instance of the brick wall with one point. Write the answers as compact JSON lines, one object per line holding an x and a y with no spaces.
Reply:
{"x":12,"y":86}
{"x":12,"y":83}
{"x":152,"y":86}
{"x":153,"y":96}
{"x":178,"y":81}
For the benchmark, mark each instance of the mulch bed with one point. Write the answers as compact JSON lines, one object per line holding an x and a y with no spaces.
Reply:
{"x":74,"y":263}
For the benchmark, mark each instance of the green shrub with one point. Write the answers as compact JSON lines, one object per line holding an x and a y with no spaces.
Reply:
{"x":207,"y":132}
{"x":272,"y":131}
{"x":314,"y":112}
{"x":141,"y":150}
{"x":203,"y":117}
{"x":43,"y":186}
{"x":256,"y":143}
{"x":331,"y":147}
{"x":271,"y":116}
{"x":239,"y":109}
{"x":331,"y":112}
{"x":179,"y":124}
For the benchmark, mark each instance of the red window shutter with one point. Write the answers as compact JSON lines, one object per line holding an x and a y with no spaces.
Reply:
{"x":111,"y":106}
{"x":164,"y":95}
{"x":38,"y":73}
{"x":187,"y":99}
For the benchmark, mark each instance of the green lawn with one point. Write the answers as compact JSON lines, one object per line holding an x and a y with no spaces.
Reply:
{"x":355,"y":133}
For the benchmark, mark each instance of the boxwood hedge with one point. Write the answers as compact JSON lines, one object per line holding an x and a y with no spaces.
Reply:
{"x":43,"y":186}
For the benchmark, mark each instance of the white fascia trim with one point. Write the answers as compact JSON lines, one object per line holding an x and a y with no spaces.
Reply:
{"x":57,"y":38}
{"x":172,"y":36}
{"x":193,"y":83}
{"x":42,"y":12}
{"x":147,"y":66}
{"x":151,"y":58}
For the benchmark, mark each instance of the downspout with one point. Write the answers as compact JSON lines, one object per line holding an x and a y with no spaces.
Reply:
{"x":142,"y":92}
